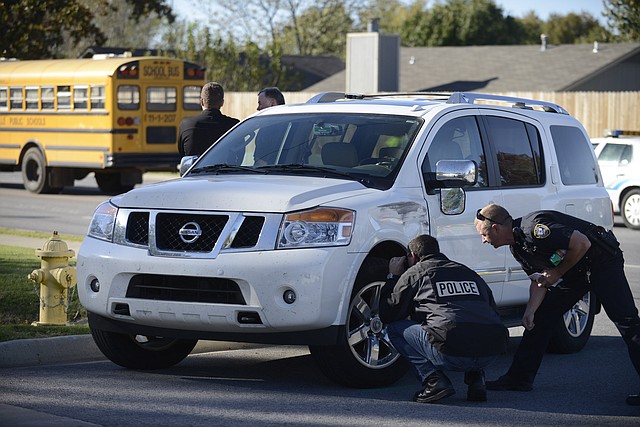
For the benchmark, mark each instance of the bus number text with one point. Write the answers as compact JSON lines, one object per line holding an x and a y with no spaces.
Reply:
{"x":160,"y":118}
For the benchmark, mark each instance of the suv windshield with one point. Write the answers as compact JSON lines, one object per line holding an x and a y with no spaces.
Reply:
{"x":363,"y":147}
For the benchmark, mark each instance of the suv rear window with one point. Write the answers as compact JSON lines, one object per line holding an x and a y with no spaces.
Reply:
{"x":575,"y":156}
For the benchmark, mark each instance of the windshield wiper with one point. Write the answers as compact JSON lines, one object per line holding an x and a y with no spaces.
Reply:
{"x":224,"y":168}
{"x":301,"y":168}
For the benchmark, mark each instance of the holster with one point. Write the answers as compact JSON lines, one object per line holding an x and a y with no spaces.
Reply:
{"x":604,"y":239}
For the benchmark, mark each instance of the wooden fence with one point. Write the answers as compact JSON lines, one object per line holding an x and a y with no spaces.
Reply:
{"x":597,"y":111}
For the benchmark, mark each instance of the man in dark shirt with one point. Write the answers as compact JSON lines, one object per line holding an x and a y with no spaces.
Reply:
{"x":269,"y":138}
{"x":569,"y":257}
{"x":441,"y":315}
{"x":197,"y":133}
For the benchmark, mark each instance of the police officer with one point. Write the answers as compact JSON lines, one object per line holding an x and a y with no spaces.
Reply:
{"x":441,"y":315}
{"x":569,"y":257}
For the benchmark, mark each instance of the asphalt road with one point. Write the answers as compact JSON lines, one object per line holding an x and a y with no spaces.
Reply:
{"x":282,"y":386}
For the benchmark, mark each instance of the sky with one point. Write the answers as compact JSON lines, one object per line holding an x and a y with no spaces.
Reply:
{"x":515,"y":8}
{"x":543,"y":8}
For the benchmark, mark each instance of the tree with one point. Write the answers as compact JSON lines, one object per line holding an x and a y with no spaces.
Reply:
{"x":531,"y":27}
{"x":574,"y":28}
{"x":316,"y":31}
{"x":624,"y":17}
{"x":459,"y":23}
{"x":37,"y":29}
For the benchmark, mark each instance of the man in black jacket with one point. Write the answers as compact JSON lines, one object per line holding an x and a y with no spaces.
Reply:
{"x":569,"y":257}
{"x":197,"y":133}
{"x":441,"y":315}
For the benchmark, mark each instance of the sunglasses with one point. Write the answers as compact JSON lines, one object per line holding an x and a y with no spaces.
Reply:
{"x":486,"y":218}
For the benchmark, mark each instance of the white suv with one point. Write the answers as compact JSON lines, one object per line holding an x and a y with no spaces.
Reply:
{"x":282,"y":231}
{"x":619,"y":159}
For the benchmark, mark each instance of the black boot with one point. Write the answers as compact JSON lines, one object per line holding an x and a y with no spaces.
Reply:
{"x":477,"y":390}
{"x":436,"y":386}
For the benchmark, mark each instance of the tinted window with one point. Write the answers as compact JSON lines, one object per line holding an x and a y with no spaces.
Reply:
{"x":458,"y":139}
{"x":518,"y":156}
{"x":575,"y":156}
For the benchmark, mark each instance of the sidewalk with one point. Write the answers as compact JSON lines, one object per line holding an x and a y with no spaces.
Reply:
{"x":73,"y":348}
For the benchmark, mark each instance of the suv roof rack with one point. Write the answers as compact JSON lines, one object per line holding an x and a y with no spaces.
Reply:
{"x":449,"y":97}
{"x":337,"y":96}
{"x":471,"y":98}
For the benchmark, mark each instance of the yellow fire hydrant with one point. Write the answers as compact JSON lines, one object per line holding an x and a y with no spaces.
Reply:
{"x":55,"y":277}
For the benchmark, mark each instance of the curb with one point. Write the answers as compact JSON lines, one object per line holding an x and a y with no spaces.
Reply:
{"x":78,"y":348}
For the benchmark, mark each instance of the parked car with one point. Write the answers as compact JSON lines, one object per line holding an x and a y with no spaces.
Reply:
{"x":619,"y":160}
{"x":295,"y":251}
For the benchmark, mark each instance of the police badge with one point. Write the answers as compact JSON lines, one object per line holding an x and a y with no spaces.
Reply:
{"x":541,"y":231}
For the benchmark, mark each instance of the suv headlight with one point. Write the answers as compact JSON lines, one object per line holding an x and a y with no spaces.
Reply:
{"x":103,"y":222}
{"x":316,"y":227}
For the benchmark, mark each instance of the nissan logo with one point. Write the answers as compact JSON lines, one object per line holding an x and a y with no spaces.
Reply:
{"x":190,"y":232}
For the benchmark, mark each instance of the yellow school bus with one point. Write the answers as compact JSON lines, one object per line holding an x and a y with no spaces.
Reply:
{"x":116,"y":117}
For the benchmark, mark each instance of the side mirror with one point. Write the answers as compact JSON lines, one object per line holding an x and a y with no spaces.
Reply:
{"x":456,"y":173}
{"x":185,"y":164}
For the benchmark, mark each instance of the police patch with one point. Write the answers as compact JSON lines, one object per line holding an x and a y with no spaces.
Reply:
{"x":541,"y":231}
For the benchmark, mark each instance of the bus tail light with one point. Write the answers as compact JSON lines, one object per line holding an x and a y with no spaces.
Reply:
{"x":128,"y":70}
{"x":193,"y":71}
{"x":128,"y":121}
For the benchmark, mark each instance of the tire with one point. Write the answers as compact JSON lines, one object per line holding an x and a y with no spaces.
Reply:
{"x":140,"y":352}
{"x":365,"y":357}
{"x":574,"y":331}
{"x":111,"y":183}
{"x":34,"y":173}
{"x":630,"y":209}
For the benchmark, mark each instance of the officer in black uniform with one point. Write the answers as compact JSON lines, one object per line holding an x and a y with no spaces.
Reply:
{"x":571,"y":257}
{"x":441,"y":315}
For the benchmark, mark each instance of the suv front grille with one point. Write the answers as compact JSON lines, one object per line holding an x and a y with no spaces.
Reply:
{"x":210,"y":290}
{"x":249,"y":232}
{"x":138,"y":228}
{"x":169,"y":226}
{"x":194,"y":234}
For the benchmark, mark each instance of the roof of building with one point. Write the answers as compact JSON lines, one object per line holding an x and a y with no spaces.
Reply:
{"x":500,"y":68}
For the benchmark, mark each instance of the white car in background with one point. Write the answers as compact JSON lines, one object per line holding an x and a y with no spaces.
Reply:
{"x":619,"y":160}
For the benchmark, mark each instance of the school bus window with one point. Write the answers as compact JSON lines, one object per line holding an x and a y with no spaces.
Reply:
{"x":80,"y":97}
{"x":191,"y":95}
{"x":64,"y":97}
{"x":161,"y":99}
{"x":31,"y":96}
{"x":46,"y":96}
{"x":97,"y":97}
{"x":15,"y":96}
{"x":4,"y":99}
{"x":128,"y":97}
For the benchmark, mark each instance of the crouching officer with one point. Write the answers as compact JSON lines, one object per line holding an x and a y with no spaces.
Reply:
{"x":441,"y":315}
{"x":569,"y":257}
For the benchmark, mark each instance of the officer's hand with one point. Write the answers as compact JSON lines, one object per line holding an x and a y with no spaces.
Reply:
{"x":398,"y":265}
{"x":527,"y":320}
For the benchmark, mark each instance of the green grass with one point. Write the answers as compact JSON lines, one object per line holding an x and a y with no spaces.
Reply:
{"x":40,"y":234}
{"x":19,"y":301}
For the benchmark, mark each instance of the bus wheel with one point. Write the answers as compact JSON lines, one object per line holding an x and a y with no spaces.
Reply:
{"x":34,"y":172}
{"x":111,"y":183}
